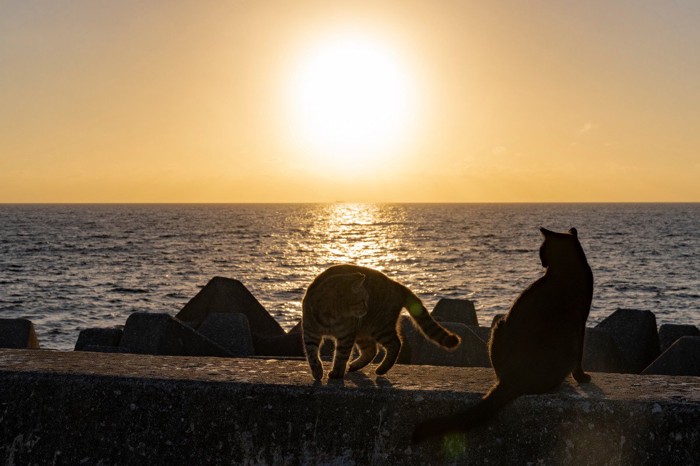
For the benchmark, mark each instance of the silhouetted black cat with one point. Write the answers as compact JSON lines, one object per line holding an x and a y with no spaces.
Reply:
{"x":540,"y":341}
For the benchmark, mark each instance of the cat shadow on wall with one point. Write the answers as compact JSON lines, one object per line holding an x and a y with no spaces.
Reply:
{"x":585,"y":390}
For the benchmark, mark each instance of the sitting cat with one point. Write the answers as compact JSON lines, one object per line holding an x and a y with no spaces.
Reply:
{"x":358,"y":305}
{"x":540,"y":341}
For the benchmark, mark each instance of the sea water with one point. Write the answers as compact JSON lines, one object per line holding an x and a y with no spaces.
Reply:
{"x":70,"y":267}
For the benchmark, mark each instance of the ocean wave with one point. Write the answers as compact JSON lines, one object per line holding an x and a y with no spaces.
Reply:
{"x":124,"y":290}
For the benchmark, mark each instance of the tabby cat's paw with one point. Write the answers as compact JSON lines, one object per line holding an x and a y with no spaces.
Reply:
{"x":317,"y":373}
{"x":381,"y":371}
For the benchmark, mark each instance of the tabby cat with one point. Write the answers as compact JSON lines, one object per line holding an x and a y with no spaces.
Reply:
{"x":540,"y":341}
{"x":358,"y":305}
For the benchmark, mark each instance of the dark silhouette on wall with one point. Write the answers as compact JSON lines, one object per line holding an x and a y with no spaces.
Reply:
{"x":540,"y":341}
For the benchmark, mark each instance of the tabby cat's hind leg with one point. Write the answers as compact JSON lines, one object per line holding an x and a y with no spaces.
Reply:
{"x":368,"y":350}
{"x":343,"y":348}
{"x":392,"y":344}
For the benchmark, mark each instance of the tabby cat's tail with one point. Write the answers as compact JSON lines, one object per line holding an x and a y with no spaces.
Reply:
{"x":431,"y":329}
{"x":491,"y":403}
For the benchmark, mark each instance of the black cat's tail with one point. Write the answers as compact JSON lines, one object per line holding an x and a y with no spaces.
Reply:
{"x":490,"y":404}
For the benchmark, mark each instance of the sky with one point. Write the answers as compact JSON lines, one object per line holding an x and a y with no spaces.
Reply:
{"x":318,"y":101}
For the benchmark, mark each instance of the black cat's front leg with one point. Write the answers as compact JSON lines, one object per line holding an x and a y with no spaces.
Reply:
{"x":579,"y":375}
{"x":343,"y":348}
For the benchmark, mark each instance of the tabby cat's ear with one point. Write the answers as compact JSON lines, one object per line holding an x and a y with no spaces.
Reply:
{"x":545,"y":232}
{"x":358,"y":282}
{"x":573,"y":232}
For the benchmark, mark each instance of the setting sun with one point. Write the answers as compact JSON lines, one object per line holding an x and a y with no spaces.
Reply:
{"x":351,"y":100}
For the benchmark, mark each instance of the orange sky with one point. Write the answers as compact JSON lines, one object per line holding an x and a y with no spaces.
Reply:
{"x":506,"y":101}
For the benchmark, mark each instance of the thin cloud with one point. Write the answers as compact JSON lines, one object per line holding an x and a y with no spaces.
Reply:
{"x":587,"y":128}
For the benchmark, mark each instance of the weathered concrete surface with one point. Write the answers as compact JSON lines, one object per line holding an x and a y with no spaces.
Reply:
{"x":95,"y":408}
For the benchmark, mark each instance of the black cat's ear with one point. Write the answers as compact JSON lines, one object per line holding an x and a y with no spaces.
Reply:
{"x":358,"y":282}
{"x":545,"y":232}
{"x":572,"y":231}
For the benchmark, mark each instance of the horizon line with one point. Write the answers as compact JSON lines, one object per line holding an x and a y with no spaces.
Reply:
{"x":343,"y":202}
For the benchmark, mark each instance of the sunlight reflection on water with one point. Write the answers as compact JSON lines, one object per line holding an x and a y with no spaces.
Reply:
{"x":347,"y":234}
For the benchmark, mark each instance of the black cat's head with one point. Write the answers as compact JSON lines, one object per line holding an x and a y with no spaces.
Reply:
{"x":560,"y":248}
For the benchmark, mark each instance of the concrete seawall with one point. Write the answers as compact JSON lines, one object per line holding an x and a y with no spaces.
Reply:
{"x":95,"y":408}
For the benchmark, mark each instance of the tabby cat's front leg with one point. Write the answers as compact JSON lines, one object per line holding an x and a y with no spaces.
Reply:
{"x":343,"y":348}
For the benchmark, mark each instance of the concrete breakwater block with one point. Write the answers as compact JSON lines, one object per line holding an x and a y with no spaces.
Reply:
{"x":601,"y":353}
{"x":471,"y":353}
{"x":636,"y":336}
{"x":223,"y":295}
{"x":296,"y":328}
{"x":682,"y":358}
{"x":18,"y":333}
{"x":230,"y":331}
{"x":455,"y":310}
{"x":294,"y":346}
{"x":289,"y":344}
{"x":104,"y":349}
{"x":482,"y":332}
{"x":99,"y":337}
{"x":161,"y":334}
{"x":669,"y":333}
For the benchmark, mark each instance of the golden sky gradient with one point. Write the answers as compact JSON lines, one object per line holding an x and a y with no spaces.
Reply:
{"x":308,"y":101}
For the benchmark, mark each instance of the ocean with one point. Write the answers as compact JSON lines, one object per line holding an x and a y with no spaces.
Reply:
{"x":71,"y":267}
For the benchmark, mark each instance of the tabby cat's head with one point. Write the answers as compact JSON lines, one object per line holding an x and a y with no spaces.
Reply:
{"x":349,"y":294}
{"x":560,"y":248}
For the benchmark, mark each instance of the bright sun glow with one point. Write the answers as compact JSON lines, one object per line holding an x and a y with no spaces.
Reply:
{"x":352,"y":101}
